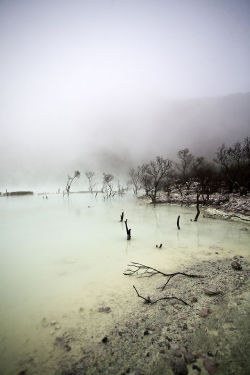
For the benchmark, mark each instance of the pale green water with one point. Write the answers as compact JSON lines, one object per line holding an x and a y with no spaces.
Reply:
{"x":62,"y":254}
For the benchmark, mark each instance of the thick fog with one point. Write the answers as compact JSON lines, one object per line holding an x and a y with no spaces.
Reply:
{"x":102,"y":85}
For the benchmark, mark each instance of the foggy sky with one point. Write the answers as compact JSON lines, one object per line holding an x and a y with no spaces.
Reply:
{"x":84,"y":84}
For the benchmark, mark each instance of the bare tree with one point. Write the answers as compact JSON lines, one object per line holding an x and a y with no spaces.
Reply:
{"x":107,"y":186}
{"x":70,"y":180}
{"x":135,"y":179}
{"x":184,"y":167}
{"x":153,"y":175}
{"x":90,"y":175}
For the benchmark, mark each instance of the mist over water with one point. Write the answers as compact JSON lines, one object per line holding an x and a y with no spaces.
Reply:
{"x":104,"y":85}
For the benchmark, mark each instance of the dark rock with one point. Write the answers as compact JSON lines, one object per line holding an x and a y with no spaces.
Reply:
{"x":189,"y":357}
{"x":105,"y":340}
{"x":210,"y":365}
{"x":23,"y":372}
{"x":236,"y":265}
{"x":211,"y":290}
{"x":180,"y":367}
{"x":194,"y":299}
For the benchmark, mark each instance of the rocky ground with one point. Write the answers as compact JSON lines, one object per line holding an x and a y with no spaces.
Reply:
{"x":209,"y":335}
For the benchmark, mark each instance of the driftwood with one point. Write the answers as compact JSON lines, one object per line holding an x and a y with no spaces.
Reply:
{"x":147,"y":271}
{"x":128,"y":230}
{"x":178,"y":222}
{"x":148,"y":299}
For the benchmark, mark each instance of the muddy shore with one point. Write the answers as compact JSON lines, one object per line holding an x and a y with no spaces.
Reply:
{"x":210,"y":335}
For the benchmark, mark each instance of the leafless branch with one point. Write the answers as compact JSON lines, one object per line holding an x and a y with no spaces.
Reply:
{"x":146,"y":271}
{"x":148,"y":299}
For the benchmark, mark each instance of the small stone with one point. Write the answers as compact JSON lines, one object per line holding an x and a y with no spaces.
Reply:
{"x":211,"y":290}
{"x":194,"y":300}
{"x":53,"y":322}
{"x":204,"y":312}
{"x":210,"y":365}
{"x":105,"y":340}
{"x":180,"y":367}
{"x":148,"y":332}
{"x":236,"y":265}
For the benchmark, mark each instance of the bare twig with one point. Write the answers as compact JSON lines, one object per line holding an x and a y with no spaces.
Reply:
{"x":147,"y":271}
{"x":148,"y":299}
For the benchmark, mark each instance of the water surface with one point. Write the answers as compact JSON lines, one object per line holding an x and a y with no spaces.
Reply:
{"x":63,"y":258}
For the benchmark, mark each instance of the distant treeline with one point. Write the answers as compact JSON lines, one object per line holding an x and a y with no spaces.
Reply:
{"x":229,"y":172}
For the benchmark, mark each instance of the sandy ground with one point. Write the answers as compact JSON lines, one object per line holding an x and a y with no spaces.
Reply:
{"x":209,"y":335}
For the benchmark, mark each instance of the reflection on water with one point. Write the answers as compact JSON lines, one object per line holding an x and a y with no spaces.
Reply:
{"x":63,"y":258}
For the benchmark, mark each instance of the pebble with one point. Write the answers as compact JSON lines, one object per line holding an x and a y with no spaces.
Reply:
{"x":194,"y":299}
{"x":211,"y":290}
{"x":105,"y":340}
{"x":236,"y":265}
{"x":204,"y":312}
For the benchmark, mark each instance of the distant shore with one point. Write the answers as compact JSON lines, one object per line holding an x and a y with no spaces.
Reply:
{"x":222,"y":206}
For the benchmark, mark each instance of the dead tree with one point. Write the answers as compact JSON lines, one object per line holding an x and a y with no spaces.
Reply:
{"x":178,"y":222}
{"x":122,"y":216}
{"x":90,"y":175}
{"x":128,"y":230}
{"x":70,"y":180}
{"x":197,"y":207}
{"x":146,"y":271}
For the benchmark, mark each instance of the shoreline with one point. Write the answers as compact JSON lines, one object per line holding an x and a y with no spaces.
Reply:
{"x":169,"y":337}
{"x":226,"y":207}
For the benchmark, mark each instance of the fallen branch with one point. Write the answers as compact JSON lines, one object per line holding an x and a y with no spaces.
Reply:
{"x":148,"y":271}
{"x":148,"y":299}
